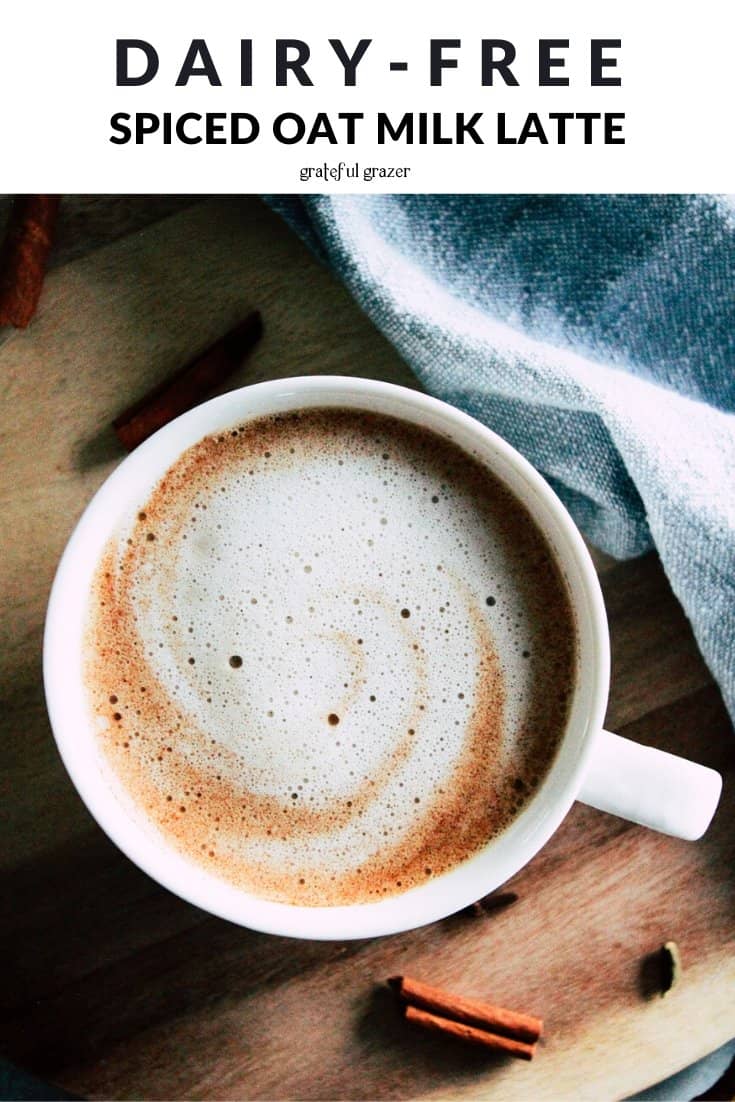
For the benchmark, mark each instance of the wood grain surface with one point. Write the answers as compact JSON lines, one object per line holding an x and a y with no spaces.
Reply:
{"x":115,"y":988}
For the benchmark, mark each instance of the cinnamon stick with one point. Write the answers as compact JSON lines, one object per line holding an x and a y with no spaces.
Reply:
{"x":468,"y":1033}
{"x":496,"y":901}
{"x":472,"y":1012}
{"x":24,"y":255}
{"x":188,"y":386}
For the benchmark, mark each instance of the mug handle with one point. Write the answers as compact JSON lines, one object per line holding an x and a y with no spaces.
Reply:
{"x":650,"y":787}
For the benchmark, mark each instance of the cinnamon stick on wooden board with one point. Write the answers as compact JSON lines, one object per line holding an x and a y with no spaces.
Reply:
{"x":468,"y":1033}
{"x":189,"y":386}
{"x":24,"y":256}
{"x":496,"y":901}
{"x":472,"y":1012}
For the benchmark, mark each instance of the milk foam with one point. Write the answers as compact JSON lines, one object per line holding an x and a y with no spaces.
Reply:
{"x":330,"y":657}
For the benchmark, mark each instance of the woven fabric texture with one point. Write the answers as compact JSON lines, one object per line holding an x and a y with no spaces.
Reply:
{"x":596,"y":333}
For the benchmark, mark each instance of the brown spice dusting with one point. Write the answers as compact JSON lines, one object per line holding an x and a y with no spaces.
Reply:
{"x":452,"y":825}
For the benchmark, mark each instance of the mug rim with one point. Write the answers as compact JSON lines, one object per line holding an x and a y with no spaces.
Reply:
{"x":442,"y":895}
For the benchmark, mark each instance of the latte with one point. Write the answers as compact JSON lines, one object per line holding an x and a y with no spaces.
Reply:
{"x":330,"y":657}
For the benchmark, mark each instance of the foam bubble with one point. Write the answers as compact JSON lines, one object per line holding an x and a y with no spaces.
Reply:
{"x":325,"y":700}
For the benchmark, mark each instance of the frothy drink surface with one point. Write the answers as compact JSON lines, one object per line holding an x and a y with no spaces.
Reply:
{"x":330,"y":657}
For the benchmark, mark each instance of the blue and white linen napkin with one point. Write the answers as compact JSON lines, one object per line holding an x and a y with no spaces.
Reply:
{"x":596,"y":333}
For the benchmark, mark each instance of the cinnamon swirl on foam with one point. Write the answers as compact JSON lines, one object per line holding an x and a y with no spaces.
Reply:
{"x":330,"y":657}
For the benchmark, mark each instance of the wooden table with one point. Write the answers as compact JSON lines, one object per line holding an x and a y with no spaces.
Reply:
{"x":113,"y":987}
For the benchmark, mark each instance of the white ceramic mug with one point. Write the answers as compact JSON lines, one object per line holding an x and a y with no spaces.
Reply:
{"x":613,"y":774}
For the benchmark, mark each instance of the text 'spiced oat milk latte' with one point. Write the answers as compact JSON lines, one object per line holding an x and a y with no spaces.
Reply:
{"x":330,"y":657}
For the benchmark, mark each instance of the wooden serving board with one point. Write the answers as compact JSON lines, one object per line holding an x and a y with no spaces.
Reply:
{"x":113,"y":987}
